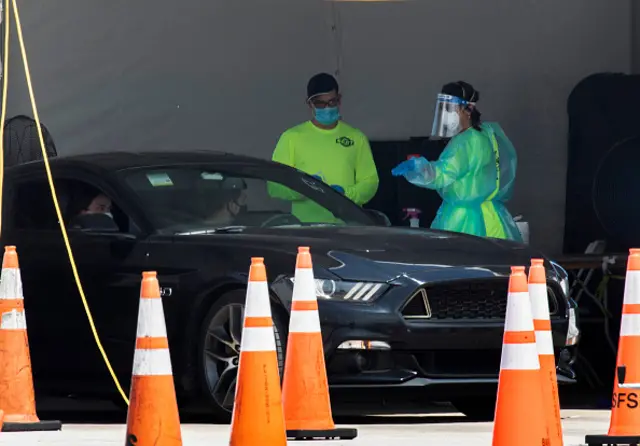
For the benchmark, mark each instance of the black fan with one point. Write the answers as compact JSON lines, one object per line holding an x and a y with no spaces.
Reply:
{"x":616,"y":193}
{"x":21,"y":142}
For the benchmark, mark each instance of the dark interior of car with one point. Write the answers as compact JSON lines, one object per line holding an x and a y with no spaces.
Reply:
{"x":34,"y":208}
{"x":192,"y":198}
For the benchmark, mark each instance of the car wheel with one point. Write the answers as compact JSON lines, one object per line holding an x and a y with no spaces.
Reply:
{"x":477,"y":408}
{"x":219,"y":350}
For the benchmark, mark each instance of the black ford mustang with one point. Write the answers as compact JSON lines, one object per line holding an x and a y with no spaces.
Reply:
{"x":406,"y":313}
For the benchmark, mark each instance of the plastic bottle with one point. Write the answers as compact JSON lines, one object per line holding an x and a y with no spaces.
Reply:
{"x":412,"y":215}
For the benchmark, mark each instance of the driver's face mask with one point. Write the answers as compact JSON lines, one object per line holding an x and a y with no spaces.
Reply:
{"x":235,"y":208}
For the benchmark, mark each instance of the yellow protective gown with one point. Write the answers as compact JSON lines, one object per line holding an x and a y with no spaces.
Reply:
{"x":474,"y":176}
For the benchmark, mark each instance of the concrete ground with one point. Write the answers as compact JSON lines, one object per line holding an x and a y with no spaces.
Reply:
{"x":441,"y":429}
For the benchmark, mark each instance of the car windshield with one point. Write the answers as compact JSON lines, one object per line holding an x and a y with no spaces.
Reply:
{"x":201,"y":199}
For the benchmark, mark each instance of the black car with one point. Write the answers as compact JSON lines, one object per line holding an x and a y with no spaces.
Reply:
{"x":410,"y":314}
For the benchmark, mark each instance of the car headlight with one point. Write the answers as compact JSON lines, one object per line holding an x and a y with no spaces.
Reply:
{"x":339,"y":290}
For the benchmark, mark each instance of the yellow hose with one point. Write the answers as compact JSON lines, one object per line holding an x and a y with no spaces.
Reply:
{"x":5,"y":85}
{"x":48,"y":169}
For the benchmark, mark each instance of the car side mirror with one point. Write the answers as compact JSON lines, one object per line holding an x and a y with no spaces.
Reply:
{"x":100,"y":225}
{"x":379,"y":217}
{"x":94,"y":223}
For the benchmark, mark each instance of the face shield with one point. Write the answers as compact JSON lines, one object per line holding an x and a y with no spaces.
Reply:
{"x":446,"y":120}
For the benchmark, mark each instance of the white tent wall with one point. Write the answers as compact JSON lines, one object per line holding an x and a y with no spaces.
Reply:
{"x":231,"y":75}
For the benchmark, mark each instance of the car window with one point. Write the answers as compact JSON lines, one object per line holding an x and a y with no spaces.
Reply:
{"x":33,"y":208}
{"x":182,"y":199}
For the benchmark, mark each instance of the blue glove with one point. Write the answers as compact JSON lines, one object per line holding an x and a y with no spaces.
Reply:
{"x":338,"y":188}
{"x":404,"y":167}
{"x":317,"y":177}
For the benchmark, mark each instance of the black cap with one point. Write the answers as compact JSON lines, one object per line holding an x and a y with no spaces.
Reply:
{"x":320,"y":84}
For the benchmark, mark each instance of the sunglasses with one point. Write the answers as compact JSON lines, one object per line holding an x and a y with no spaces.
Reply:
{"x":317,"y":103}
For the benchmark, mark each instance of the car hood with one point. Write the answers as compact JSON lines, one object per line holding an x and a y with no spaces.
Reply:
{"x":383,"y":253}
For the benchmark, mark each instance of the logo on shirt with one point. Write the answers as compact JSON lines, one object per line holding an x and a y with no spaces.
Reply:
{"x":345,"y":141}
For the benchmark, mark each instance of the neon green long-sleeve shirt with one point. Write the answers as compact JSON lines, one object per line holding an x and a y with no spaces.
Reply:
{"x":340,"y":156}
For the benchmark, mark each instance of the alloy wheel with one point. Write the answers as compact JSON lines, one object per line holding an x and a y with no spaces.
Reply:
{"x":222,"y":354}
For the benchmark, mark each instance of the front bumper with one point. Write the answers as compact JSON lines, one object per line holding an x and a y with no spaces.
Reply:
{"x":431,"y":355}
{"x":377,"y":346}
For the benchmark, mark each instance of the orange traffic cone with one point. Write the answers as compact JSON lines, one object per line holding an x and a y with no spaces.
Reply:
{"x":625,"y":410}
{"x":519,"y":418}
{"x":546,"y":356}
{"x":305,"y":391}
{"x":152,"y":417}
{"x":258,"y":418}
{"x":17,"y":396}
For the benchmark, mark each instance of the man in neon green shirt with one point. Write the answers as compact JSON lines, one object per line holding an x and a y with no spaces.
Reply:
{"x":329,"y":149}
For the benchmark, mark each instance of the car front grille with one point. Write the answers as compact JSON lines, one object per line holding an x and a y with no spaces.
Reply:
{"x":468,"y":299}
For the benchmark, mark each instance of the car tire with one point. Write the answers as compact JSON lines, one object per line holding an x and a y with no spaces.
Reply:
{"x":217,"y":358}
{"x":477,"y":408}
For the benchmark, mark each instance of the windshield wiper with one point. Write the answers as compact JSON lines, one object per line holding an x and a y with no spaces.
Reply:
{"x":220,"y":230}
{"x":320,"y":224}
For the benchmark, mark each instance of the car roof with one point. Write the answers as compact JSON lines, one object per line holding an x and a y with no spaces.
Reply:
{"x":115,"y":161}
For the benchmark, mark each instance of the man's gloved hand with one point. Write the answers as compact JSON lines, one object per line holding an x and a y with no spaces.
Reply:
{"x":404,"y":167}
{"x":338,"y":188}
{"x":317,"y":177}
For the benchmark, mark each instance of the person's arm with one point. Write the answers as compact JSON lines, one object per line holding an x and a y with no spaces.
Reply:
{"x":366,"y":175}
{"x":284,"y":154}
{"x":452,"y":165}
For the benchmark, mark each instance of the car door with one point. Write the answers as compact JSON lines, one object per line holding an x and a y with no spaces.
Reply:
{"x":54,"y":313}
{"x":111,"y":266}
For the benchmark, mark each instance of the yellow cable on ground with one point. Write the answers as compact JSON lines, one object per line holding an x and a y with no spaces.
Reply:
{"x":51,"y":184}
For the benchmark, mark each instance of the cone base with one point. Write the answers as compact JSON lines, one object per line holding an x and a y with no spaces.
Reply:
{"x":331,"y":434}
{"x":600,"y":440}
{"x":40,"y":426}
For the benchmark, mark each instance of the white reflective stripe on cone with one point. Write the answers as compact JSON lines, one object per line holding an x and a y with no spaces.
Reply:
{"x":152,"y":362}
{"x":151,"y":321}
{"x":518,"y":317}
{"x":632,"y":288}
{"x":519,"y":357}
{"x":544,"y":341}
{"x":304,"y":286}
{"x":539,"y":301}
{"x":630,"y":325}
{"x":304,"y":321}
{"x":10,"y":284}
{"x":258,"y":339}
{"x":257,"y":304}
{"x":13,"y":320}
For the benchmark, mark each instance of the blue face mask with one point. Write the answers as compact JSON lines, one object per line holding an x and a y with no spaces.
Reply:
{"x":327,"y":116}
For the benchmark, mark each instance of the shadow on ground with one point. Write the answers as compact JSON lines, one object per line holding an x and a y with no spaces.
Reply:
{"x":80,"y":411}
{"x":117,"y":418}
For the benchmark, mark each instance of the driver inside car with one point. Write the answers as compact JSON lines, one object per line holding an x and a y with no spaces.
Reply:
{"x":226,"y":207}
{"x":225,"y":204}
{"x":90,"y":203}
